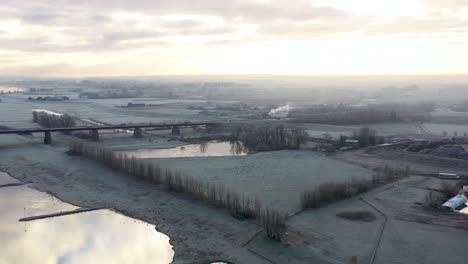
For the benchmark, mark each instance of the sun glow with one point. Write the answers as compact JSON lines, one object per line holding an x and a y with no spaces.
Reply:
{"x":379,"y":8}
{"x":264,"y":37}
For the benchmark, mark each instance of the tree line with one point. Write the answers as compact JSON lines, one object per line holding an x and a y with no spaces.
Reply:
{"x":240,"y":206}
{"x":53,"y":120}
{"x":347,"y":115}
{"x":266,"y":138}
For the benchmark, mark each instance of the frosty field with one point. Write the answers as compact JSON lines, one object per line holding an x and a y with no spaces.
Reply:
{"x":276,"y":178}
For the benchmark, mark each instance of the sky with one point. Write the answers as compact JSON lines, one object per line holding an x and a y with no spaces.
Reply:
{"x":69,"y":38}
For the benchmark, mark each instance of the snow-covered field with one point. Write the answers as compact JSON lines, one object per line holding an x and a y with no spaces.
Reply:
{"x":277,"y":178}
{"x":450,"y":129}
{"x":16,"y":111}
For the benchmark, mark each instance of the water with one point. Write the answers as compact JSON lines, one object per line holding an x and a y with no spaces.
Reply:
{"x":101,"y":236}
{"x":209,"y":149}
{"x":6,"y":179}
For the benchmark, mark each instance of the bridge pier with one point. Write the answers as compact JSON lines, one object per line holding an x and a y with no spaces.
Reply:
{"x":175,"y":130}
{"x":47,"y":138}
{"x":137,"y":132}
{"x":94,"y":134}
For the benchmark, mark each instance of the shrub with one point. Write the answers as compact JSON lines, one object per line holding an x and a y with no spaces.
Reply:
{"x":361,"y":215}
{"x":330,"y":192}
{"x":433,"y":200}
{"x":274,"y":223}
{"x":449,"y":190}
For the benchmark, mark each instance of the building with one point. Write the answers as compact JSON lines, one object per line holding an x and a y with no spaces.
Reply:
{"x":136,"y":104}
{"x":455,"y":203}
{"x":279,"y":115}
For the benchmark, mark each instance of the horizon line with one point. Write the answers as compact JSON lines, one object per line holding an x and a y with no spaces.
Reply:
{"x":242,"y":75}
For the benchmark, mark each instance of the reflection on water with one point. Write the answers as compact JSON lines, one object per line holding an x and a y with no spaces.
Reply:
{"x":6,"y":179}
{"x":92,"y":237}
{"x":208,"y":149}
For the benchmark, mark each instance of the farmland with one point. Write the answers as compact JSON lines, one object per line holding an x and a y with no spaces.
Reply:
{"x":246,"y":205}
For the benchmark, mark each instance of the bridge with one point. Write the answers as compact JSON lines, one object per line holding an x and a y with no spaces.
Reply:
{"x":94,"y":130}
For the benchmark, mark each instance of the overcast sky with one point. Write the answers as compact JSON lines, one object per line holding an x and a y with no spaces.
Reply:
{"x":151,"y":37}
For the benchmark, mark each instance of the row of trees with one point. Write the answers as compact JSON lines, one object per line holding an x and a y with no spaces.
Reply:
{"x":330,"y":192}
{"x":367,"y":137}
{"x":240,"y":206}
{"x":53,"y":120}
{"x":112,"y":94}
{"x":265,"y":138}
{"x":347,"y":115}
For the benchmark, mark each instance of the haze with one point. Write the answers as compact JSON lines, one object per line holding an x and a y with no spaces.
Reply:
{"x":233,"y":131}
{"x":173,"y":37}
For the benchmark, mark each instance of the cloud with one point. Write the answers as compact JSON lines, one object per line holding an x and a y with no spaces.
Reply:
{"x":113,"y":26}
{"x":447,"y":4}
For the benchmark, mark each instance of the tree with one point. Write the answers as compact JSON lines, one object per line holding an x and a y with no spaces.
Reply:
{"x":264,"y":138}
{"x":366,"y":137}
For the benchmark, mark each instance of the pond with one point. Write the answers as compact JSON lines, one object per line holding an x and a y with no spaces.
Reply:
{"x":5,"y":179}
{"x":209,"y":149}
{"x":101,"y":236}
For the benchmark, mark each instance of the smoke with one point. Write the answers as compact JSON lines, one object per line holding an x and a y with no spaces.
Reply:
{"x":281,"y":109}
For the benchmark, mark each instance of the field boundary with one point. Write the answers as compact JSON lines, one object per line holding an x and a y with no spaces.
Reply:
{"x":382,"y":229}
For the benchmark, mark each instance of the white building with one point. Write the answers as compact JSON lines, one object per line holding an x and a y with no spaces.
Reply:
{"x":455,"y":203}
{"x":279,"y":115}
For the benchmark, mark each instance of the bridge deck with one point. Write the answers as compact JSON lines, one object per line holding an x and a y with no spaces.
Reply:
{"x":106,"y":127}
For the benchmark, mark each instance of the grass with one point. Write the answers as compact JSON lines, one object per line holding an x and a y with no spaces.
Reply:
{"x":239,"y":206}
{"x":361,"y":215}
{"x":330,"y":192}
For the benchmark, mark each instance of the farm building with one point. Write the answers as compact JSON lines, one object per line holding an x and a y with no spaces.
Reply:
{"x":455,"y":203}
{"x":136,"y":104}
{"x":279,"y":115}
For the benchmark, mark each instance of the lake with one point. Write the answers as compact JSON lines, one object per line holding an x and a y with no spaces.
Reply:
{"x":100,"y":236}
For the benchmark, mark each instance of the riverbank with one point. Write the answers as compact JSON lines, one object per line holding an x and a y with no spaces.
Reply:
{"x":199,"y":234}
